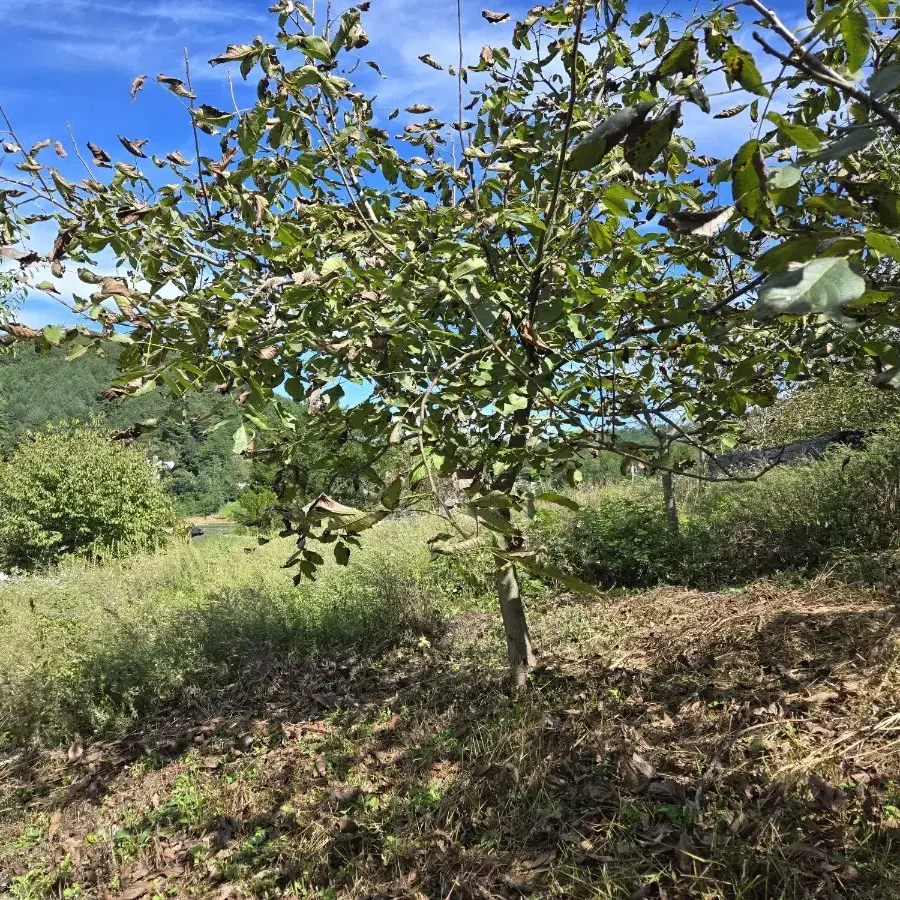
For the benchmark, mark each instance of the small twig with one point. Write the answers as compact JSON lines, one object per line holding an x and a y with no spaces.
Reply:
{"x":537,"y":274}
{"x":187,"y":74}
{"x":15,"y":137}
{"x":231,"y":89}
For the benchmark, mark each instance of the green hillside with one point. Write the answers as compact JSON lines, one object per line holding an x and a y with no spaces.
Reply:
{"x":39,"y":389}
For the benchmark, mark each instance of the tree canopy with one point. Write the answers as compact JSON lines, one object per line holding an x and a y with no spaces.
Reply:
{"x":516,"y":282}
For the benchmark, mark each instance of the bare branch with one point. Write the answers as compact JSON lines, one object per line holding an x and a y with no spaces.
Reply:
{"x":187,"y":75}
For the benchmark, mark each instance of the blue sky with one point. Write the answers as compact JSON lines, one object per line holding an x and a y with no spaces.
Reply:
{"x":72,"y":62}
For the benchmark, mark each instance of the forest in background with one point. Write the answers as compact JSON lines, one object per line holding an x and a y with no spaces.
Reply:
{"x":36,"y":390}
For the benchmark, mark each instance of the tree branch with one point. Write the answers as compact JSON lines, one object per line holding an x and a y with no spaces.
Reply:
{"x":187,"y":74}
{"x":537,"y":273}
{"x":809,"y":63}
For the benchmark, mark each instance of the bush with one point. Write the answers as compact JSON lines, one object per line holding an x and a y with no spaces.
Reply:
{"x":255,"y":509}
{"x":616,"y":541}
{"x":797,"y":518}
{"x":73,"y":491}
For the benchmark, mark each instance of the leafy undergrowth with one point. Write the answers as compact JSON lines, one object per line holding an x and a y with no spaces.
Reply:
{"x":676,"y":745}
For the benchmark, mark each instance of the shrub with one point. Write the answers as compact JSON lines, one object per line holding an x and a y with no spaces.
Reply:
{"x":797,"y":518}
{"x":616,"y":541}
{"x":255,"y":509}
{"x":73,"y":491}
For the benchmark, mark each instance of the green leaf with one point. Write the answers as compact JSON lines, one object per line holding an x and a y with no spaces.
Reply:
{"x":468,"y":267}
{"x":554,"y":573}
{"x":494,"y":521}
{"x":590,"y":150}
{"x":391,"y":496}
{"x":53,"y":334}
{"x":314,"y":46}
{"x":748,"y":183}
{"x":797,"y":250}
{"x":884,"y":81}
{"x":331,"y":265}
{"x":241,"y":440}
{"x":853,"y":142}
{"x":615,"y":198}
{"x":603,"y":238}
{"x":250,"y":129}
{"x":559,"y":500}
{"x":680,"y":60}
{"x":785,"y":177}
{"x":822,"y":286}
{"x":646,"y":141}
{"x":799,"y":135}
{"x":341,"y":554}
{"x":854,"y":26}
{"x":885,"y":244}
{"x":741,"y":67}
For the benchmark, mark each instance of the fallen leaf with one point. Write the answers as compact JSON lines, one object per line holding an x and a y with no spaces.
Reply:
{"x":825,"y":795}
{"x":636,"y":772}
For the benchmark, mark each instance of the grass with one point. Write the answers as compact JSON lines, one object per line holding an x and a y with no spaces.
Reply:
{"x":357,"y":738}
{"x":91,"y":649}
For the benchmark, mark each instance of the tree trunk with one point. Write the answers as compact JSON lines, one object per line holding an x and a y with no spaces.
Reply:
{"x":519,"y":649}
{"x":668,"y":486}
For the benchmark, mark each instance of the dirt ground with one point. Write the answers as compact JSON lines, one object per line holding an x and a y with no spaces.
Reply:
{"x":674,"y":744}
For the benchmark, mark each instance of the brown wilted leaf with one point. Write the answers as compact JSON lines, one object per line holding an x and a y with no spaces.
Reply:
{"x":176,"y":158}
{"x":233,"y":53}
{"x":267,"y":353}
{"x":134,"y":146}
{"x":826,"y":796}
{"x":419,"y":108}
{"x":137,"y":84}
{"x":59,"y":150}
{"x":495,"y":18}
{"x":487,"y":55}
{"x":20,"y":332}
{"x":636,"y":772}
{"x":101,"y":157}
{"x":260,"y":205}
{"x":24,"y":257}
{"x":531,"y":337}
{"x":346,"y":794}
{"x":540,"y":861}
{"x":307,"y":276}
{"x":700,"y":223}
{"x":176,"y":86}
{"x":731,"y":111}
{"x":128,"y":215}
{"x":115,"y":287}
{"x":63,"y":239}
{"x":218,"y":168}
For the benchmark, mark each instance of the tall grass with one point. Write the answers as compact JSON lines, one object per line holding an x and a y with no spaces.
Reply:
{"x":91,"y":649}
